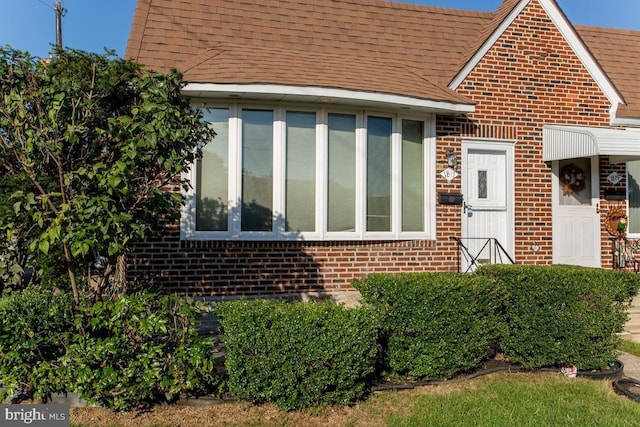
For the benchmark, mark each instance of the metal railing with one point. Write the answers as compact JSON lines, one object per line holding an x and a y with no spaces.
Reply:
{"x":490,"y":252}
{"x":625,"y":254}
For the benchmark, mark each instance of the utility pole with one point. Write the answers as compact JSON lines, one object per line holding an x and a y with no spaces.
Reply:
{"x":58,"y":9}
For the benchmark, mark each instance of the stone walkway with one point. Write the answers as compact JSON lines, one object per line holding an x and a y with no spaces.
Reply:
{"x":631,"y":365}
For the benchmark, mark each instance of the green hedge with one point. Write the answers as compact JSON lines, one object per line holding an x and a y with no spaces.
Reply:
{"x":298,"y":355}
{"x":434,"y":325}
{"x":124,"y":354}
{"x":143,"y":348}
{"x":36,"y":326}
{"x":562,"y":315}
{"x":138,"y":350}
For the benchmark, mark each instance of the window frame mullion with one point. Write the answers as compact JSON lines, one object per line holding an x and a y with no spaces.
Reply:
{"x":278,"y":231}
{"x":279,"y":171}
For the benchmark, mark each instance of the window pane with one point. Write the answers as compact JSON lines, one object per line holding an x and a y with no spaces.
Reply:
{"x":342,"y":173}
{"x":412,"y":175}
{"x":301,"y":172}
{"x":212,"y":175}
{"x":378,"y":174}
{"x":633,"y":184}
{"x":482,"y":184}
{"x":257,"y":170}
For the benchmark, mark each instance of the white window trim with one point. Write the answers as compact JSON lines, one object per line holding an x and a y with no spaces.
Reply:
{"x":628,"y":205}
{"x":188,"y":214}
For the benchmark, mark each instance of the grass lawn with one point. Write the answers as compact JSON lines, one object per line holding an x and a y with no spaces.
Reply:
{"x":503,"y":399}
{"x":631,"y":347}
{"x":523,"y":400}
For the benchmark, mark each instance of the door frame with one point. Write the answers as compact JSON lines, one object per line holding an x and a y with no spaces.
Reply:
{"x":595,"y":205}
{"x":507,"y":147}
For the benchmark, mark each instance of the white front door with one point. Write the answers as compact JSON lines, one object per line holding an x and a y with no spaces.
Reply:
{"x":576,"y":220}
{"x":487,"y":218}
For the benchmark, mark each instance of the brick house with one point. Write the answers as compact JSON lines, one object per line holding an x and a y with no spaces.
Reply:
{"x":360,"y":136}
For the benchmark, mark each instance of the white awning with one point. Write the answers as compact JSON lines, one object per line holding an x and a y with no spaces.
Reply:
{"x":572,"y":142}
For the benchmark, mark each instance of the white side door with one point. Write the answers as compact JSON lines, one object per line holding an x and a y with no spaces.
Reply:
{"x":487,"y":217}
{"x":576,"y":217}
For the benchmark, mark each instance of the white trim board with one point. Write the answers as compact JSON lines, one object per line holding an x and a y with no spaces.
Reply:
{"x":322,"y":95}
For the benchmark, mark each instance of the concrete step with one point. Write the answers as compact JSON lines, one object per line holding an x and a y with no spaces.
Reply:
{"x":632,"y":327}
{"x":631,"y":337}
{"x":625,"y":335}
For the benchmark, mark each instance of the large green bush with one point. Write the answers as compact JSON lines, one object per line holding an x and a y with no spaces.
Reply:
{"x":126,"y":353}
{"x":88,"y":142}
{"x":562,"y":315}
{"x":434,"y":325}
{"x":35,"y":329}
{"x":138,"y":350}
{"x":297,"y":355}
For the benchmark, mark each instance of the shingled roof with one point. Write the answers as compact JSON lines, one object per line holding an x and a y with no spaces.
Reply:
{"x":367,"y":45}
{"x":361,"y":45}
{"x":618,"y":52}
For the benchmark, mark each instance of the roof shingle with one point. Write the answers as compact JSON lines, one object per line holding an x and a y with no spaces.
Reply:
{"x":366,"y":45}
{"x":618,"y":52}
{"x":369,"y":45}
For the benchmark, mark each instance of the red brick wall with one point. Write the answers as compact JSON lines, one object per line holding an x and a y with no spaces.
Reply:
{"x":217,"y":268}
{"x":530,"y":78}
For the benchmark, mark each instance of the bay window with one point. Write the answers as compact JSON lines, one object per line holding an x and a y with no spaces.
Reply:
{"x":312,"y":174}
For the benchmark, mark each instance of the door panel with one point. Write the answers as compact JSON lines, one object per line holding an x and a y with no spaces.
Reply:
{"x":488,"y":213}
{"x":576,"y":221}
{"x":574,"y":245}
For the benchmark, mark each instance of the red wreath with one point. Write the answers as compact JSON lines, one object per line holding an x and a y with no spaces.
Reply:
{"x":573,"y":179}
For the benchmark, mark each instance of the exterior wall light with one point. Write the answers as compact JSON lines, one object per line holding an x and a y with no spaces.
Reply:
{"x":452,"y":159}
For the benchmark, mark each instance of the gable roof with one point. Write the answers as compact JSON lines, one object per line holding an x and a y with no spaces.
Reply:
{"x":368,"y":46}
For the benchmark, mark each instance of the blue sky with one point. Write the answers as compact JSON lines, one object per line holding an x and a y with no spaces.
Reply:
{"x":92,"y":25}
